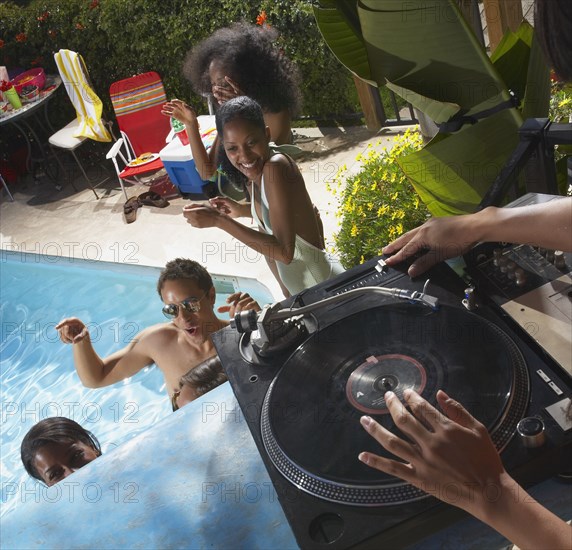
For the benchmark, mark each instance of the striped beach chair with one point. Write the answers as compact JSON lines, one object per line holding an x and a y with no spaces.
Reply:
{"x":137,"y":102}
{"x":89,"y":123}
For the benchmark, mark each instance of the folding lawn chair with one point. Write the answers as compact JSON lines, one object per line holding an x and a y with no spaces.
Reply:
{"x":89,"y":123}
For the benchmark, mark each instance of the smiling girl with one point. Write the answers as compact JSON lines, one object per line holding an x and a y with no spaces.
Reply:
{"x":289,"y":234}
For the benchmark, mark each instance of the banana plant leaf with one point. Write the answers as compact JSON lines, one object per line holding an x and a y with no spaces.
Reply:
{"x":450,"y":181}
{"x":537,"y":96}
{"x":345,"y":39}
{"x":521,"y":63}
{"x":426,"y":52}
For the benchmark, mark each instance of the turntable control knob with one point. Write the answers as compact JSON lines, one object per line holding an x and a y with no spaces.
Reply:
{"x":245,"y":321}
{"x":502,"y":263}
{"x":531,"y":432}
{"x":510,"y":269}
{"x":497,"y":255}
{"x":550,"y":256}
{"x":542,"y":251}
{"x":559,"y":259}
{"x":520,"y":276}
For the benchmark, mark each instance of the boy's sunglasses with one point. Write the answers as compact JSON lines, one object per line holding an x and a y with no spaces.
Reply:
{"x":192,"y":305}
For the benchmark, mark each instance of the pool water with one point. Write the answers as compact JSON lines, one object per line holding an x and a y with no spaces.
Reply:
{"x":37,"y":375}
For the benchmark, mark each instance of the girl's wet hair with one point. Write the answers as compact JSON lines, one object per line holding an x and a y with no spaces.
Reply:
{"x":249,"y":56}
{"x":56,"y":429}
{"x":206,"y":376}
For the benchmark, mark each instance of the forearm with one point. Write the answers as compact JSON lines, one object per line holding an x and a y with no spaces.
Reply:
{"x":243,"y":210}
{"x":262,"y":243}
{"x":521,"y":519}
{"x":548,"y":225}
{"x":89,"y":365}
{"x":205,"y":161}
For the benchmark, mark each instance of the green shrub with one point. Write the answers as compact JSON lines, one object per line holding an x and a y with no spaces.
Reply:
{"x":560,"y":102}
{"x":118,"y":38}
{"x":377,"y":204}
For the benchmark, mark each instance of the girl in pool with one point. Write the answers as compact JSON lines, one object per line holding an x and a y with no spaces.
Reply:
{"x":289,"y":234}
{"x":56,"y":447}
{"x":201,"y":379}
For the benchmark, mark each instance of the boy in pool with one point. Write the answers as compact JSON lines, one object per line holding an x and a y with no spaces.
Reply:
{"x":187,"y":291}
{"x":56,"y":447}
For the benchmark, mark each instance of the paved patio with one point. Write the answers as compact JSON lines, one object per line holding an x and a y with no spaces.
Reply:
{"x":66,"y":223}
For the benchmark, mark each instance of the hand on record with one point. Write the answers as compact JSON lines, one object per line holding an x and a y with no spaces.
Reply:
{"x":437,"y":239}
{"x":201,"y":215}
{"x":448,"y":454}
{"x":181,"y":111}
{"x":227,"y":90}
{"x":72,"y":330}
{"x":237,"y":302}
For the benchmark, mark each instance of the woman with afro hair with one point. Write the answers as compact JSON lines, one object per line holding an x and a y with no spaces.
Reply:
{"x":239,"y":60}
{"x":243,"y":60}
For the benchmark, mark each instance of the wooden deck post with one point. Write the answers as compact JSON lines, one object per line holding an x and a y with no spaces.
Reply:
{"x":501,"y":15}
{"x":370,"y":102}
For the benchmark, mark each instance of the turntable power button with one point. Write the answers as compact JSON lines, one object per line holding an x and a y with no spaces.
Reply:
{"x":531,"y":432}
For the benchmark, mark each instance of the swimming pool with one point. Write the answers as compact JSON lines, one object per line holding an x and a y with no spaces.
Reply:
{"x":38,"y":378}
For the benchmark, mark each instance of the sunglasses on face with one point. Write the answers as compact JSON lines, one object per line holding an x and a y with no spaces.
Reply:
{"x":191,"y":305}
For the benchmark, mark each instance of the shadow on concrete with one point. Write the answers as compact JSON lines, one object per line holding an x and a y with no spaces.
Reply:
{"x":335,"y":140}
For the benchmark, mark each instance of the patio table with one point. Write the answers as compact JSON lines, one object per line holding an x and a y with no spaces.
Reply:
{"x":34,"y":128}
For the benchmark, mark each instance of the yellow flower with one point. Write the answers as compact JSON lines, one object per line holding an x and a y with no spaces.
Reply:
{"x":354,"y":230}
{"x":382,"y":210}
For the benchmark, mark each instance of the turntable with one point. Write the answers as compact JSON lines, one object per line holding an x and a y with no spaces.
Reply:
{"x":305,"y":370}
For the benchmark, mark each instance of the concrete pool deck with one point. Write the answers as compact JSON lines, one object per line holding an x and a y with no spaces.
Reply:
{"x":66,"y":223}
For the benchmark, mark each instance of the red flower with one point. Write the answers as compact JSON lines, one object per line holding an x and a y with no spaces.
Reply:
{"x":94,"y":4}
{"x":5,"y":85}
{"x":261,"y":18}
{"x":52,"y":34}
{"x":79,"y":26}
{"x":44,"y":16}
{"x":1,"y":43}
{"x":21,"y":37}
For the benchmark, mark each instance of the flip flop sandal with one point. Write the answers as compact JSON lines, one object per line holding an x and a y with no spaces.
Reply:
{"x":130,"y":209}
{"x":149,"y":198}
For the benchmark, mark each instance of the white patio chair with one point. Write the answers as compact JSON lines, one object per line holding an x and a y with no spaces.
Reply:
{"x":88,"y":106}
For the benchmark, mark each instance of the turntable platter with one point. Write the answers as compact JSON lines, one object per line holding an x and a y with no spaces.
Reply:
{"x":310,"y":416}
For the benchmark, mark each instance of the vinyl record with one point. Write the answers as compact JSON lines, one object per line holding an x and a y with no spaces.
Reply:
{"x":310,"y":416}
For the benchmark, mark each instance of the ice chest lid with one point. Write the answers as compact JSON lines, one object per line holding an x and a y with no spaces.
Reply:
{"x":175,"y":151}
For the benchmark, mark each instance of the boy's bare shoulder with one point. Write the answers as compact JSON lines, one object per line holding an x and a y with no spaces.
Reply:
{"x":159,"y":333}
